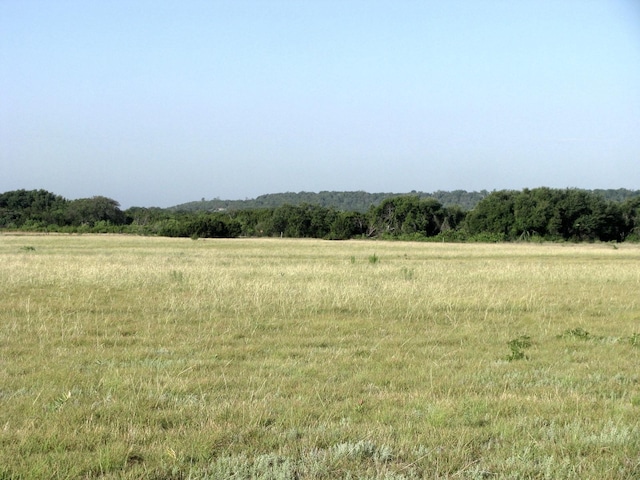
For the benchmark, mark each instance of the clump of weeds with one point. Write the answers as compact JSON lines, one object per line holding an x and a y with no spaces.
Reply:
{"x":408,"y":273}
{"x":579,"y":333}
{"x":517,"y":347}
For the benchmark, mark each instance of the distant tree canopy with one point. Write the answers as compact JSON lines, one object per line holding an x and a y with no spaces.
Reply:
{"x":505,"y":215}
{"x":35,"y":209}
{"x":89,"y":211}
{"x":556,"y":214}
{"x":344,"y":201}
{"x":407,"y":215}
{"x":360,"y":201}
{"x":20,"y":207}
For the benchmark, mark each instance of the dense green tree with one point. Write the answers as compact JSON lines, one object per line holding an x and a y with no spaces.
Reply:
{"x":347,"y":225}
{"x":495,"y":214}
{"x":88,"y":211}
{"x":612,"y":226}
{"x":580,"y":215}
{"x":172,"y":227}
{"x":407,"y":215}
{"x":41,"y":207}
{"x":630,"y":212}
{"x":454,"y":217}
{"x":306,"y":220}
{"x":143,"y":216}
{"x":532,"y":212}
{"x":569,"y":214}
{"x":212,"y":226}
{"x":252,"y":222}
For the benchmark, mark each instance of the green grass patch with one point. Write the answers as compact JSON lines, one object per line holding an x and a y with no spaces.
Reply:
{"x":133,"y":357}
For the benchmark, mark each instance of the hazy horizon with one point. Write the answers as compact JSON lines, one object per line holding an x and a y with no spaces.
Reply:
{"x":163,"y":103}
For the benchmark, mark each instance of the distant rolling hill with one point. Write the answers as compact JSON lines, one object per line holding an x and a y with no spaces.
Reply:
{"x":360,"y":201}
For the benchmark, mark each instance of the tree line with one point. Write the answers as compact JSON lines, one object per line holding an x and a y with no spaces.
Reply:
{"x":358,"y":201}
{"x":505,"y":215}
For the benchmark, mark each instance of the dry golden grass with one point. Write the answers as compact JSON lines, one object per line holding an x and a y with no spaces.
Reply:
{"x":170,"y":358}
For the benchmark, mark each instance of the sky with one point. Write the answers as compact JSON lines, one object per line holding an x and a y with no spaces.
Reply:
{"x":158,"y":103}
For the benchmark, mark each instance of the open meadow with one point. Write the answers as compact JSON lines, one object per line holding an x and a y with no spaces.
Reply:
{"x":139,"y":357}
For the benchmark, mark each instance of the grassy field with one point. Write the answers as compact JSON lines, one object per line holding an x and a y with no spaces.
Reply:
{"x":131,"y":357}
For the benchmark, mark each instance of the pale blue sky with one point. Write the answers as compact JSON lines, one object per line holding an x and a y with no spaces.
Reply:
{"x":155,"y":103}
